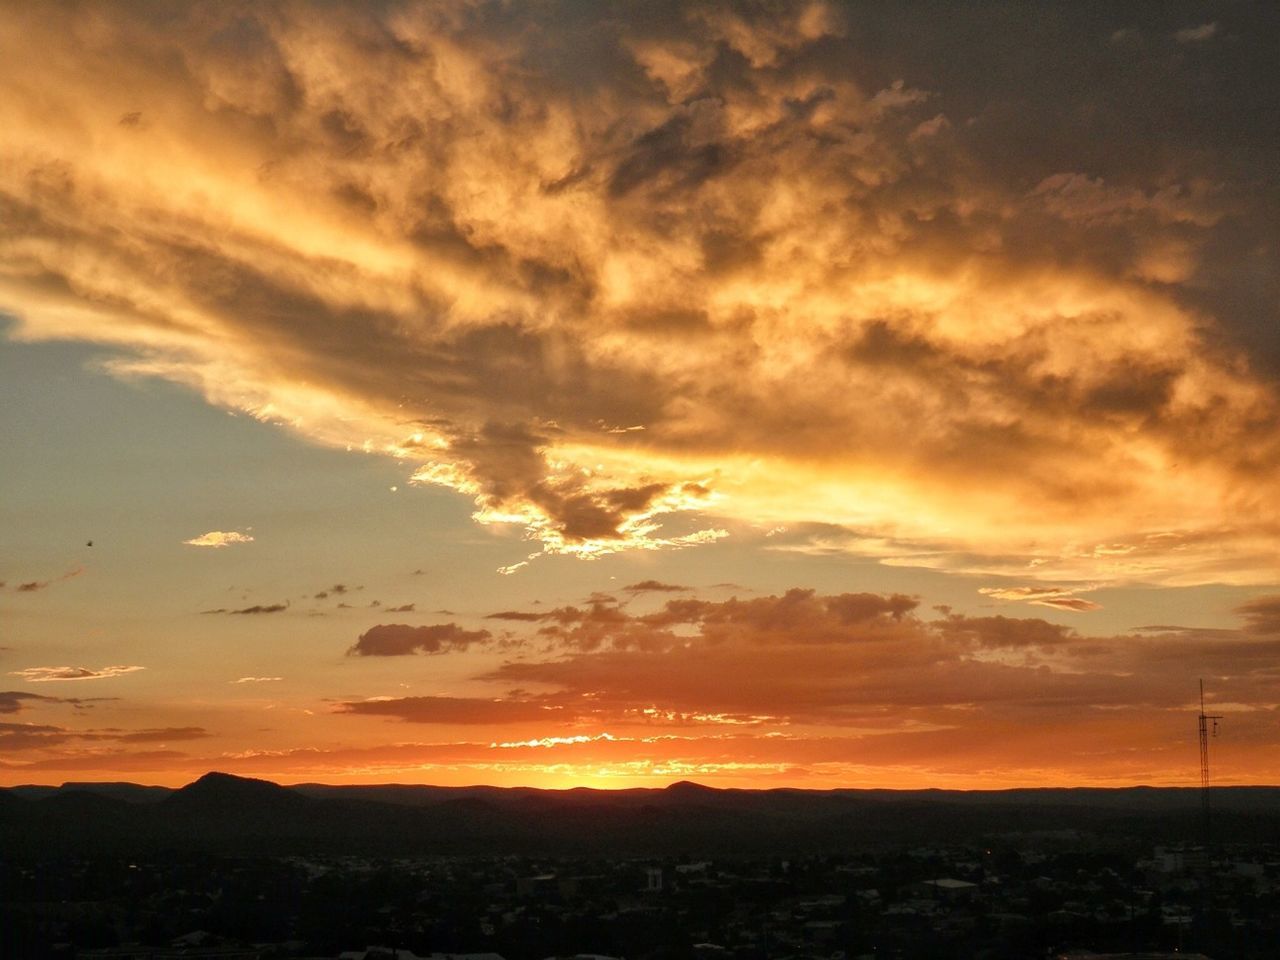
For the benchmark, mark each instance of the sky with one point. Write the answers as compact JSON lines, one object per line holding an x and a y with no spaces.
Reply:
{"x":607,"y":394}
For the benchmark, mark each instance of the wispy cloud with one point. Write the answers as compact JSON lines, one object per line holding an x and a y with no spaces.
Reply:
{"x":337,"y":590}
{"x":255,"y":679}
{"x":1061,"y":598}
{"x":459,"y":710}
{"x":219,"y":538}
{"x":45,"y":674}
{"x":161,"y":734}
{"x":15,"y":701}
{"x":32,"y":586}
{"x":1206,"y":31}
{"x":257,"y":608}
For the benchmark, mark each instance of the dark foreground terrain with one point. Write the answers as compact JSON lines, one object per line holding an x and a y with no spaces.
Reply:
{"x":228,"y":867}
{"x":220,"y":813}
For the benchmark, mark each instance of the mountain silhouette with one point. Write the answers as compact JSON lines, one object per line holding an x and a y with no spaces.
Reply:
{"x":223,"y":791}
{"x":222,"y":813}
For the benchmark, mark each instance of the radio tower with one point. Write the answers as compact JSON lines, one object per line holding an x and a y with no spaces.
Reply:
{"x":1205,"y":731}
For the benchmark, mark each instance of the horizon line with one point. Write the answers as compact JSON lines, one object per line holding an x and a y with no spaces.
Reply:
{"x":682,"y":782}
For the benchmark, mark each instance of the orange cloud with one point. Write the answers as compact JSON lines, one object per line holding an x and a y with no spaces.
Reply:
{"x":718,"y":269}
{"x":452,"y":710}
{"x":850,"y":688}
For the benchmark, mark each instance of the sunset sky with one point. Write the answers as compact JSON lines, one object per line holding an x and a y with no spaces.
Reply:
{"x":609,"y":394}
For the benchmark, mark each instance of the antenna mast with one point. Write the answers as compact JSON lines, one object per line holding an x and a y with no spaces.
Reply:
{"x":1205,"y":731}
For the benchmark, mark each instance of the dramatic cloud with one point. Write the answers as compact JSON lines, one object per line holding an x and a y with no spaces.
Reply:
{"x":725,"y":267}
{"x":44,"y":674}
{"x":219,"y":538}
{"x":399,"y":639}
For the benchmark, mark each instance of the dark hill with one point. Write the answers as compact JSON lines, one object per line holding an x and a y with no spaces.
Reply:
{"x":229,"y":814}
{"x":224,"y":789}
{"x":130,"y":792}
{"x":687,"y":788}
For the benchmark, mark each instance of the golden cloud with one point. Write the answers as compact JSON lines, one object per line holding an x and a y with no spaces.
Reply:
{"x":723,"y":262}
{"x":46,"y":674}
{"x":1061,"y":598}
{"x":219,"y":538}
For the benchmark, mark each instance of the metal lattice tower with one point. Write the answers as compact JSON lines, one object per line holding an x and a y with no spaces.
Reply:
{"x":1205,"y":731}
